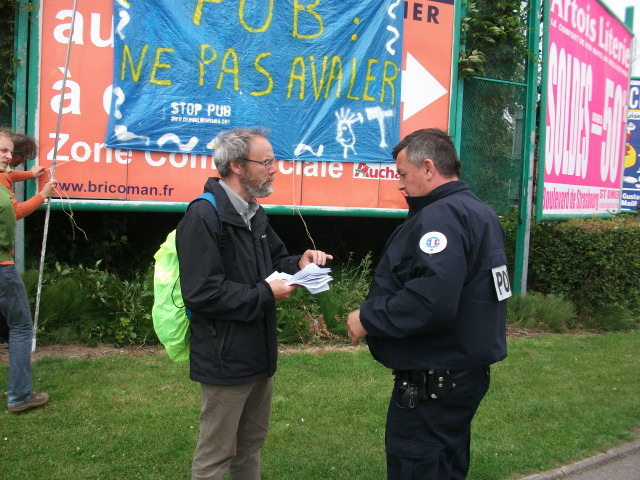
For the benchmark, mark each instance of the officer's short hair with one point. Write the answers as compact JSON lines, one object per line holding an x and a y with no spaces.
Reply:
{"x":431,"y":143}
{"x":234,"y":145}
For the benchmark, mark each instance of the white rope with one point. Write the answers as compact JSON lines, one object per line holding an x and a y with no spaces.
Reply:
{"x":45,"y":233}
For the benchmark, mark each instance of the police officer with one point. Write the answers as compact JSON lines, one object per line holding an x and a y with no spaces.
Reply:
{"x":436,"y":311}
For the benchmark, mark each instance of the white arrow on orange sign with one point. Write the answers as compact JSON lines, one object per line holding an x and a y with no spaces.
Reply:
{"x":419,"y":88}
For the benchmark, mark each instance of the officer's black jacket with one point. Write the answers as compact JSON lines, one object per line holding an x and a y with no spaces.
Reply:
{"x":439,"y":310}
{"x":233,"y":314}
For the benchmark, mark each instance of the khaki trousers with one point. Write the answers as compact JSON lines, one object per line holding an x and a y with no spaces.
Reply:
{"x":234,"y":421}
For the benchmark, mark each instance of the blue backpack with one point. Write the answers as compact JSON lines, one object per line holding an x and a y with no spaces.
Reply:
{"x":170,"y":316}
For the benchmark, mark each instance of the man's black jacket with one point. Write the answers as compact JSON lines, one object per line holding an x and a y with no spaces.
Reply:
{"x":233,"y":314}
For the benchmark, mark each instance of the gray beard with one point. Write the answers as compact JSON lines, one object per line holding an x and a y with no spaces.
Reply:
{"x":259,"y":191}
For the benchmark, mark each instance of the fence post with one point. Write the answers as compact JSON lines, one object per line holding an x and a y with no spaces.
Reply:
{"x":523,"y":233}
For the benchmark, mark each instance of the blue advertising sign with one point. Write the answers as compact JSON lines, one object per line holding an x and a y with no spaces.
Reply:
{"x":324,"y":76}
{"x":631,"y":177}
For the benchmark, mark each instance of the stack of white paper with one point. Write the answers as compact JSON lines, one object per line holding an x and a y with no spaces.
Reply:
{"x":312,"y":277}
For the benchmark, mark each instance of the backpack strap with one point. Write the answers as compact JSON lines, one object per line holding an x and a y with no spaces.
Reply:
{"x":212,"y":199}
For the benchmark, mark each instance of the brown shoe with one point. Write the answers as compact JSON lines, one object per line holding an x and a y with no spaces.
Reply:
{"x":36,"y":400}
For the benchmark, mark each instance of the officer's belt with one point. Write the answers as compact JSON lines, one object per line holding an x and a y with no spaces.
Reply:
{"x":417,"y":376}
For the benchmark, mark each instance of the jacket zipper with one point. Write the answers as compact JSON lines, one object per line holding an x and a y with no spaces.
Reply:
{"x":223,"y":344}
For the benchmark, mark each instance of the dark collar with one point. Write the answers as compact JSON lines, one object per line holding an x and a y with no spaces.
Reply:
{"x":418,"y":203}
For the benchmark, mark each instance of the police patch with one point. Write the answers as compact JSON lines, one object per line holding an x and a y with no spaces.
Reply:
{"x":433,"y":242}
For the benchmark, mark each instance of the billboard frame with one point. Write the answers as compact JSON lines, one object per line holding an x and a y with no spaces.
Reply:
{"x":540,"y":216}
{"x":31,"y":106}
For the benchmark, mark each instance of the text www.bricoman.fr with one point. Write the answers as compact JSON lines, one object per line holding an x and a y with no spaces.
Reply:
{"x":112,"y":188}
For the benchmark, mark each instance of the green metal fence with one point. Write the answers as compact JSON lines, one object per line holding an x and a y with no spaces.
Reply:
{"x":496,"y":126}
{"x":491,"y":141}
{"x":493,"y":118}
{"x":6,"y":54}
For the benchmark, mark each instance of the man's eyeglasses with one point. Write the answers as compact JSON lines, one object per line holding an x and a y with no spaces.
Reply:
{"x":265,"y":164}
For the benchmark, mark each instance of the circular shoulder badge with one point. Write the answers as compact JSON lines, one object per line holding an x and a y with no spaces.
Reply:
{"x":433,"y":242}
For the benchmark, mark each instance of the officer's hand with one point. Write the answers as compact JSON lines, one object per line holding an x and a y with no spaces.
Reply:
{"x":355,"y":330}
{"x":314,"y":256}
{"x":281,"y":290}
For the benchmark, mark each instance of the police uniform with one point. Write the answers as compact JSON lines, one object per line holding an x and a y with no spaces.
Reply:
{"x":434,"y":315}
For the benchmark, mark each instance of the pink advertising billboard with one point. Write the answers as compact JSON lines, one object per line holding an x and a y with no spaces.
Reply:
{"x":585,"y":89}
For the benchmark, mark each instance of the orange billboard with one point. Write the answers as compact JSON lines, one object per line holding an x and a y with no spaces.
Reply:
{"x":72,"y":115}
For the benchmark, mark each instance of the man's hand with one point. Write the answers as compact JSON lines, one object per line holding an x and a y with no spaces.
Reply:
{"x":314,"y":256}
{"x":281,"y":290}
{"x":355,"y":330}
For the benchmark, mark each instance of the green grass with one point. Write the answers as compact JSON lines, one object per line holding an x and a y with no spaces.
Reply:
{"x":556,"y":398}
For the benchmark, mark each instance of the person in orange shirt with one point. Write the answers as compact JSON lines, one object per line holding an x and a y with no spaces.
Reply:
{"x":25,"y":147}
{"x":14,"y":305}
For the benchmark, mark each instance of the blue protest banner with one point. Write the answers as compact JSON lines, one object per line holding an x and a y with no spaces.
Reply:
{"x":324,"y":76}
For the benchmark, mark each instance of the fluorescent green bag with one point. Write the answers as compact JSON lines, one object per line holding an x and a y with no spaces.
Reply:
{"x":170,"y":319}
{"x":170,"y":316}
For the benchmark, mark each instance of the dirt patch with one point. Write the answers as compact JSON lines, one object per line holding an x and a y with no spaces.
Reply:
{"x":78,"y":350}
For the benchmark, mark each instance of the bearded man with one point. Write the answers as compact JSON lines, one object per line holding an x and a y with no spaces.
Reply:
{"x":225,"y":255}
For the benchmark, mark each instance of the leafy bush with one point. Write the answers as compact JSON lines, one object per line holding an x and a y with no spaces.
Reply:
{"x":348,"y":290}
{"x":304,"y":318}
{"x":129,"y":302}
{"x":593,"y":262}
{"x":64,"y":312}
{"x":92,"y":305}
{"x":294,"y":316}
{"x":541,"y":312}
{"x":612,"y":319}
{"x":582,"y":274}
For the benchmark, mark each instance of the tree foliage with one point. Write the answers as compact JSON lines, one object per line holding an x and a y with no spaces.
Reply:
{"x":8,"y":63}
{"x":494,"y":35}
{"x":492,"y":32}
